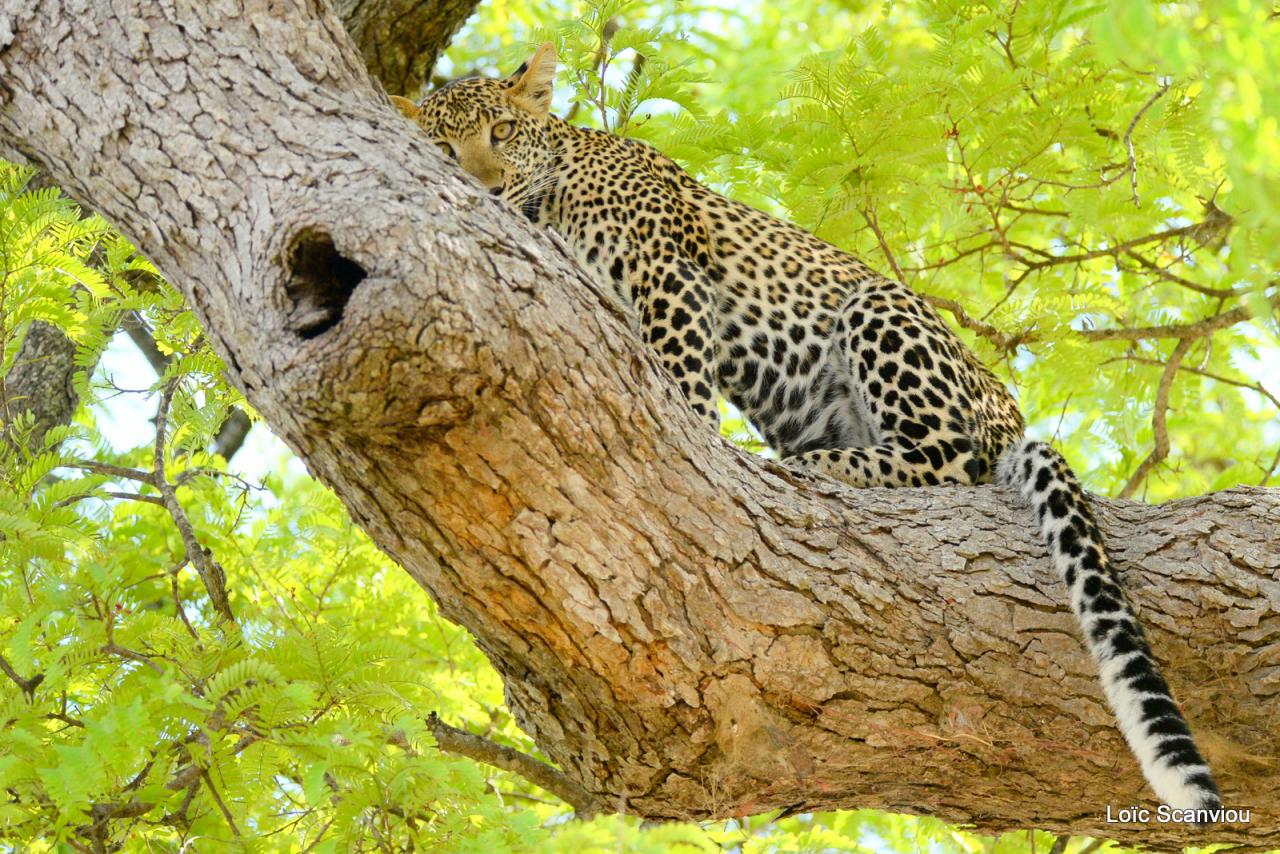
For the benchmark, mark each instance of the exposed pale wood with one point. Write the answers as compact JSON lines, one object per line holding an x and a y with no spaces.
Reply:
{"x":687,"y":630}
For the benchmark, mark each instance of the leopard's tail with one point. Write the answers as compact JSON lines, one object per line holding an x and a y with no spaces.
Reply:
{"x":1149,"y":719}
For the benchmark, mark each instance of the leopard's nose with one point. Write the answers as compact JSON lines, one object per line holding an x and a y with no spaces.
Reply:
{"x":497,"y":191}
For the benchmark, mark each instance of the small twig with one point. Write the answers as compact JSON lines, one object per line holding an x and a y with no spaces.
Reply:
{"x":132,"y":496}
{"x":1197,"y":230}
{"x":1060,"y":844}
{"x":217,"y":799}
{"x":1198,"y":329}
{"x":519,"y":796}
{"x":1158,"y":420}
{"x":28,"y":686}
{"x":1275,"y":462}
{"x":124,"y":652}
{"x":1009,"y":206}
{"x":188,"y":777}
{"x":232,"y":433}
{"x":869,"y":215}
{"x":66,"y":719}
{"x":210,"y":572}
{"x":1057,"y":431}
{"x":629,"y":95}
{"x":1258,"y":388}
{"x":177,"y":600}
{"x":203,"y":471}
{"x":1149,"y":265}
{"x":319,"y":836}
{"x":145,"y":342}
{"x":463,"y":743}
{"x":602,"y":60}
{"x":1128,"y":141}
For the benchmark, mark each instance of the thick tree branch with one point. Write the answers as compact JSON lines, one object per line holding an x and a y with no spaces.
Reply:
{"x":687,"y":630}
{"x":400,"y":40}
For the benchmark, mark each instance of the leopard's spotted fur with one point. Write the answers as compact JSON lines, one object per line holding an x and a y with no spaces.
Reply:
{"x":843,"y":371}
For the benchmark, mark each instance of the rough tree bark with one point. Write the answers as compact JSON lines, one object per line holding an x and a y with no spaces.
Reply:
{"x":40,"y":383}
{"x":689,"y":631}
{"x":400,"y":41}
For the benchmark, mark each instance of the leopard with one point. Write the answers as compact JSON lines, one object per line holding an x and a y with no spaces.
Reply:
{"x":843,"y":371}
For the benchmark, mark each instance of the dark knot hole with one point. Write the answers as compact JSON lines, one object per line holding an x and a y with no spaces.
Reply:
{"x":321,"y":281}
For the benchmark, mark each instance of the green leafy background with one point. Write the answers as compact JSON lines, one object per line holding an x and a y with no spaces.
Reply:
{"x":979,"y":151}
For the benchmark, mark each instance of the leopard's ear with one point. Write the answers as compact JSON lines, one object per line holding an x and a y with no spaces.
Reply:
{"x":530,"y":87}
{"x":407,"y":108}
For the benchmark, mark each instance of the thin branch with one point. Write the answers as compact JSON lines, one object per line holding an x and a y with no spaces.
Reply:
{"x":65,"y":718}
{"x":116,"y":471}
{"x":1254,"y":387}
{"x":947,"y":262}
{"x":217,"y":799}
{"x":1198,"y":329}
{"x":869,"y":215}
{"x":28,"y":686}
{"x":231,"y":434}
{"x":1003,"y":341}
{"x":1275,"y":462}
{"x":187,"y":777}
{"x":125,"y":652}
{"x":1151,"y":266}
{"x":463,"y":743}
{"x":132,"y":496}
{"x":1158,"y":420}
{"x":177,"y":600}
{"x":142,"y":338}
{"x":210,"y":572}
{"x":1009,"y":206}
{"x":1128,"y":141}
{"x":1208,"y":226}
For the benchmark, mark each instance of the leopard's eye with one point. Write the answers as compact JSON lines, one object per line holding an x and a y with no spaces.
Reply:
{"x":447,"y":149}
{"x":503,"y":131}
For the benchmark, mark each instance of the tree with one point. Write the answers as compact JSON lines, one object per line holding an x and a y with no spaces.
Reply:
{"x":739,"y":637}
{"x":399,"y":41}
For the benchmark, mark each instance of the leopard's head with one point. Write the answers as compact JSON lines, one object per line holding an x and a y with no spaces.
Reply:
{"x":495,"y":129}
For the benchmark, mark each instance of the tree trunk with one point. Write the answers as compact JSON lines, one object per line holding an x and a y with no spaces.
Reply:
{"x":42,"y":379}
{"x":688,"y":630}
{"x":41,"y":382}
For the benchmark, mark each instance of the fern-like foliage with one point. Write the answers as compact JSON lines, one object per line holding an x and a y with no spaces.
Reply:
{"x":1051,"y":167}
